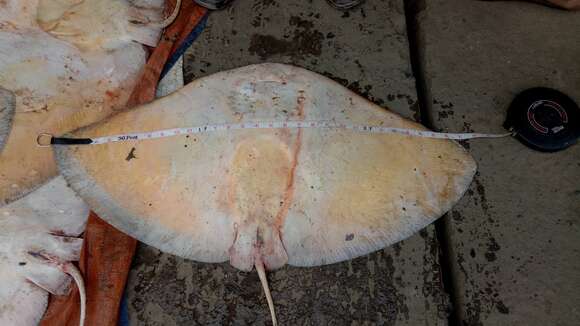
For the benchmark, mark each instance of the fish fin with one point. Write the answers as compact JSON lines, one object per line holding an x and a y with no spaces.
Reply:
{"x":144,"y":34}
{"x":47,"y":277}
{"x":171,"y":18}
{"x":262,"y":274}
{"x":53,"y":281}
{"x":148,"y":32}
{"x":66,"y":248}
{"x":49,"y":272}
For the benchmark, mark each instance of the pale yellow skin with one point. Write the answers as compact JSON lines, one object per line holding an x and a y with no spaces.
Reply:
{"x":98,"y":24}
{"x":76,"y":72}
{"x":302,"y":197}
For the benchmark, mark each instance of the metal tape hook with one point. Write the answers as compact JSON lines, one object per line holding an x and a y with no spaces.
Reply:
{"x":44,"y":139}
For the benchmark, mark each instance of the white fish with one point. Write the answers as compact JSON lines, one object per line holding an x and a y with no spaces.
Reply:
{"x":69,"y":63}
{"x":264,"y":198}
{"x":38,"y":240}
{"x":63,"y":64}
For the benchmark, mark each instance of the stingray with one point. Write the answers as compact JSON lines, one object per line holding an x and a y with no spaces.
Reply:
{"x":68,"y":63}
{"x":263,"y":198}
{"x":41,"y":231}
{"x":97,"y":24}
{"x":63,"y":64}
{"x":38,"y":240}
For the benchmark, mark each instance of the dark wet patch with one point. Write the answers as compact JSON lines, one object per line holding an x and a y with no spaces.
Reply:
{"x":343,"y":81}
{"x":362,"y":12}
{"x":460,"y":261}
{"x":131,"y":155}
{"x":397,"y":248}
{"x":492,"y":248}
{"x":315,"y":15}
{"x":444,"y":114}
{"x":257,"y":21}
{"x":444,"y":105}
{"x":501,"y":307}
{"x":465,"y":144}
{"x":265,"y":4}
{"x":365,"y":90}
{"x":482,"y":295}
{"x":457,"y":216}
{"x":481,"y":192}
{"x":416,"y":108}
{"x":393,"y":97}
{"x":302,"y":41}
{"x":473,"y":313}
{"x":467,"y":127}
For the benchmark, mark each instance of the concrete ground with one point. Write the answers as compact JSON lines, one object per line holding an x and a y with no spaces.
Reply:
{"x":515,"y":237}
{"x":507,"y":254}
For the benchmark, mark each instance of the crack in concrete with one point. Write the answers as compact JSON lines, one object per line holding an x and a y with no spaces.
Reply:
{"x":413,"y":9}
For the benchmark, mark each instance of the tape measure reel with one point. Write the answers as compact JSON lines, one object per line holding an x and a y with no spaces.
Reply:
{"x":544,"y":119}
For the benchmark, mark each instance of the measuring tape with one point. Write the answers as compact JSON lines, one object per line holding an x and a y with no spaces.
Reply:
{"x":45,"y":139}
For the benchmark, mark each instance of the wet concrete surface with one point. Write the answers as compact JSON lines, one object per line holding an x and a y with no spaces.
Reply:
{"x":366,"y":50}
{"x":515,"y":236}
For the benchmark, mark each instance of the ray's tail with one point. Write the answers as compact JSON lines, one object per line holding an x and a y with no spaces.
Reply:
{"x":169,"y":20}
{"x":74,"y":272}
{"x":262,"y":274}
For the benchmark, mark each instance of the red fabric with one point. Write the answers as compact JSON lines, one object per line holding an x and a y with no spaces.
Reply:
{"x":105,"y":261}
{"x":189,"y":16}
{"x":107,"y":253}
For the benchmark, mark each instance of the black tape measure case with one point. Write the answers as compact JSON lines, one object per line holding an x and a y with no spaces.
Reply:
{"x":544,"y":119}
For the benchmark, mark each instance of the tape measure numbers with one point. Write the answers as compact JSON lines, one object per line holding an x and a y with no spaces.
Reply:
{"x":45,"y":139}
